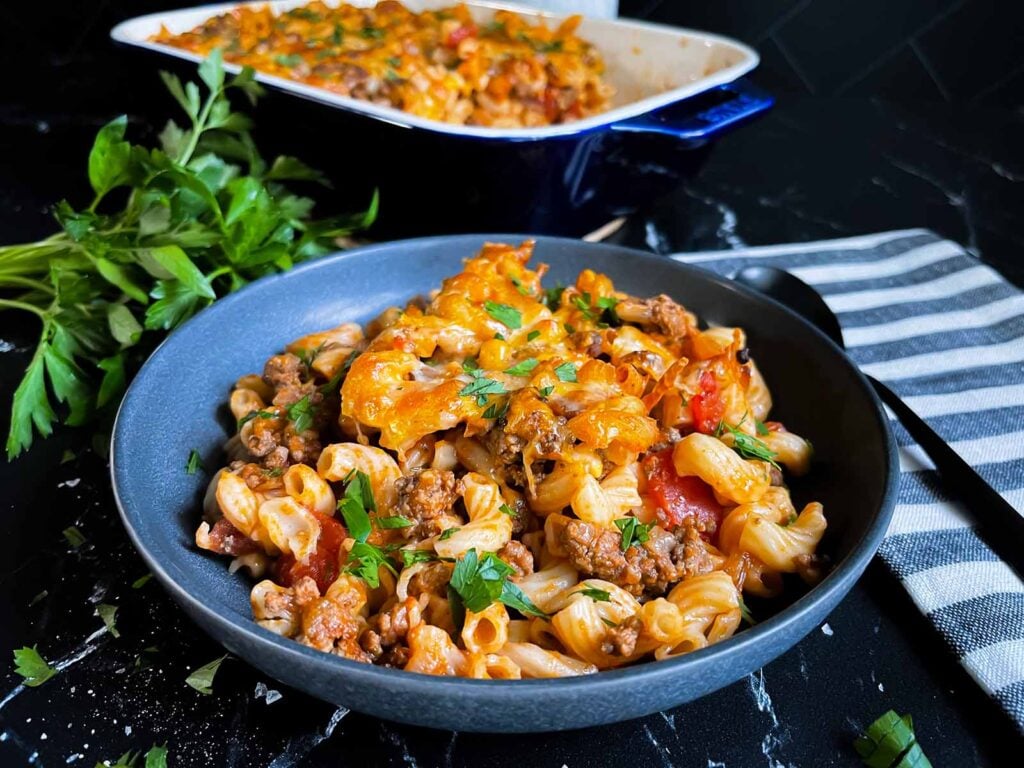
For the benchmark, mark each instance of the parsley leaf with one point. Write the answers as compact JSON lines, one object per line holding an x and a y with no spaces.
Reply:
{"x":74,"y":537}
{"x":505,"y":509}
{"x":748,"y":446}
{"x":32,"y":667}
{"x":364,"y":559}
{"x":508,"y":316}
{"x":413,"y":556}
{"x":745,"y":613}
{"x":595,"y":594}
{"x":523,"y":367}
{"x":256,"y":415}
{"x":496,"y":410}
{"x":202,"y":678}
{"x":890,"y":742}
{"x":301,"y":414}
{"x":447,"y":533}
{"x":762,"y":430}
{"x":569,"y":328}
{"x":140,"y":582}
{"x":523,"y":290}
{"x":532,"y":335}
{"x":633,"y":531}
{"x":472,"y":367}
{"x":566,"y":372}
{"x":291,"y":60}
{"x":553,"y":297}
{"x":195,"y":462}
{"x":480,"y":581}
{"x":108,"y":614}
{"x":480,"y":387}
{"x":395,"y":521}
{"x":544,"y":392}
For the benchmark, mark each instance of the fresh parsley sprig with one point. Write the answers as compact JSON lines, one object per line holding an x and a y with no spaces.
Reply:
{"x":32,"y":667}
{"x":203,"y":215}
{"x":747,"y":446}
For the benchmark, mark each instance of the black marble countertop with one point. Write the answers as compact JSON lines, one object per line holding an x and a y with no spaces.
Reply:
{"x":812,"y":169}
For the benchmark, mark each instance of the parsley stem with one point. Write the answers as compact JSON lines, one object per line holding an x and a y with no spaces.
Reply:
{"x":27,"y":282}
{"x":12,"y":304}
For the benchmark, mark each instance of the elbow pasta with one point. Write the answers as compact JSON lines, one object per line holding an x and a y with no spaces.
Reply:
{"x":501,"y":483}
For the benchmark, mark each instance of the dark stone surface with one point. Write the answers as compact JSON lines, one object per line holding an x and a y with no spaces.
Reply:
{"x":815,"y":168}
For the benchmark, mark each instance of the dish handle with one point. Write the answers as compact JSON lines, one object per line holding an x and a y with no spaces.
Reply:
{"x":736,"y":102}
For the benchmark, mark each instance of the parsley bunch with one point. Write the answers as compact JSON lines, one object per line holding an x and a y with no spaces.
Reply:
{"x":169,"y":230}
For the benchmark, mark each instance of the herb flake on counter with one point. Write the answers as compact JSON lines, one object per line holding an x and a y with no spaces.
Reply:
{"x":140,"y":582}
{"x":74,"y":537}
{"x":32,"y":666}
{"x":202,"y":678}
{"x":890,"y":742}
{"x":169,"y":229}
{"x":108,"y":613}
{"x":194,"y":463}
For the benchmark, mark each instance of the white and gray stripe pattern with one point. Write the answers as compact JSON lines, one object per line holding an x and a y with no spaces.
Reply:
{"x":947,"y":334}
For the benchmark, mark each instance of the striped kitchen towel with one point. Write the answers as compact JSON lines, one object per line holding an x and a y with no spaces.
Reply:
{"x":946,"y":333}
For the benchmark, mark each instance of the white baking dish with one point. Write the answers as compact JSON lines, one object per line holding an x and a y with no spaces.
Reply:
{"x":650,"y":65}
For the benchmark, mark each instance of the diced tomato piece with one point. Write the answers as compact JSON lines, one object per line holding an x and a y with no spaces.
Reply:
{"x":680,"y":499}
{"x":322,"y":566}
{"x":707,"y":405}
{"x":551,"y":108}
{"x":459,"y":34}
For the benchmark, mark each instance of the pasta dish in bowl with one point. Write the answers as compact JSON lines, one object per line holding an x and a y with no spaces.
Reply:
{"x":499,"y":481}
{"x":482,"y":502}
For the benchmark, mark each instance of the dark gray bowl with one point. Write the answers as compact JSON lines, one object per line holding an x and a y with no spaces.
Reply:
{"x":172,"y":407}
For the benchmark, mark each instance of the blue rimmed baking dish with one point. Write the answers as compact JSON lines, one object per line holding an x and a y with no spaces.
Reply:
{"x":677,"y":91}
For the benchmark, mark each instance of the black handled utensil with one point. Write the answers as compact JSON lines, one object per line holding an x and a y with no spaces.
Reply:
{"x":999,"y":524}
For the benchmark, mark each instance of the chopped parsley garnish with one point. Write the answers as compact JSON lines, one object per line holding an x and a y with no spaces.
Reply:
{"x":608,"y":622}
{"x":140,"y":582}
{"x":889,"y":742}
{"x":194,"y":463}
{"x":545,"y":391}
{"x":481,"y":387}
{"x":569,"y":328}
{"x":156,"y":757}
{"x":494,"y":28}
{"x":448,"y":533}
{"x":364,"y":559}
{"x":601,"y":311}
{"x":496,"y":410}
{"x":633,"y":531}
{"x":508,"y":316}
{"x":291,"y":60}
{"x":523,"y":290}
{"x":308,"y":356}
{"x":480,"y":581}
{"x":747,"y":446}
{"x":471,"y":366}
{"x":499,"y":337}
{"x":553,"y":297}
{"x":595,"y":594}
{"x":372,"y":33}
{"x":395,"y":521}
{"x":338,"y":34}
{"x":301,"y":414}
{"x":413,"y":556}
{"x":108,"y":613}
{"x":394,"y":61}
{"x":202,"y":678}
{"x":566,"y":372}
{"x":74,"y":537}
{"x":532,"y":335}
{"x":256,"y":415}
{"x":762,"y":430}
{"x":507,"y":510}
{"x":32,"y":667}
{"x":523,"y":367}
{"x":331,"y":387}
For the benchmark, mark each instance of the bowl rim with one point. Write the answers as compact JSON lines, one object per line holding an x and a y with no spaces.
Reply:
{"x":838,"y":581}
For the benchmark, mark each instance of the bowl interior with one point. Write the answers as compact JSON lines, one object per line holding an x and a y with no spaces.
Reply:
{"x":176,"y":404}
